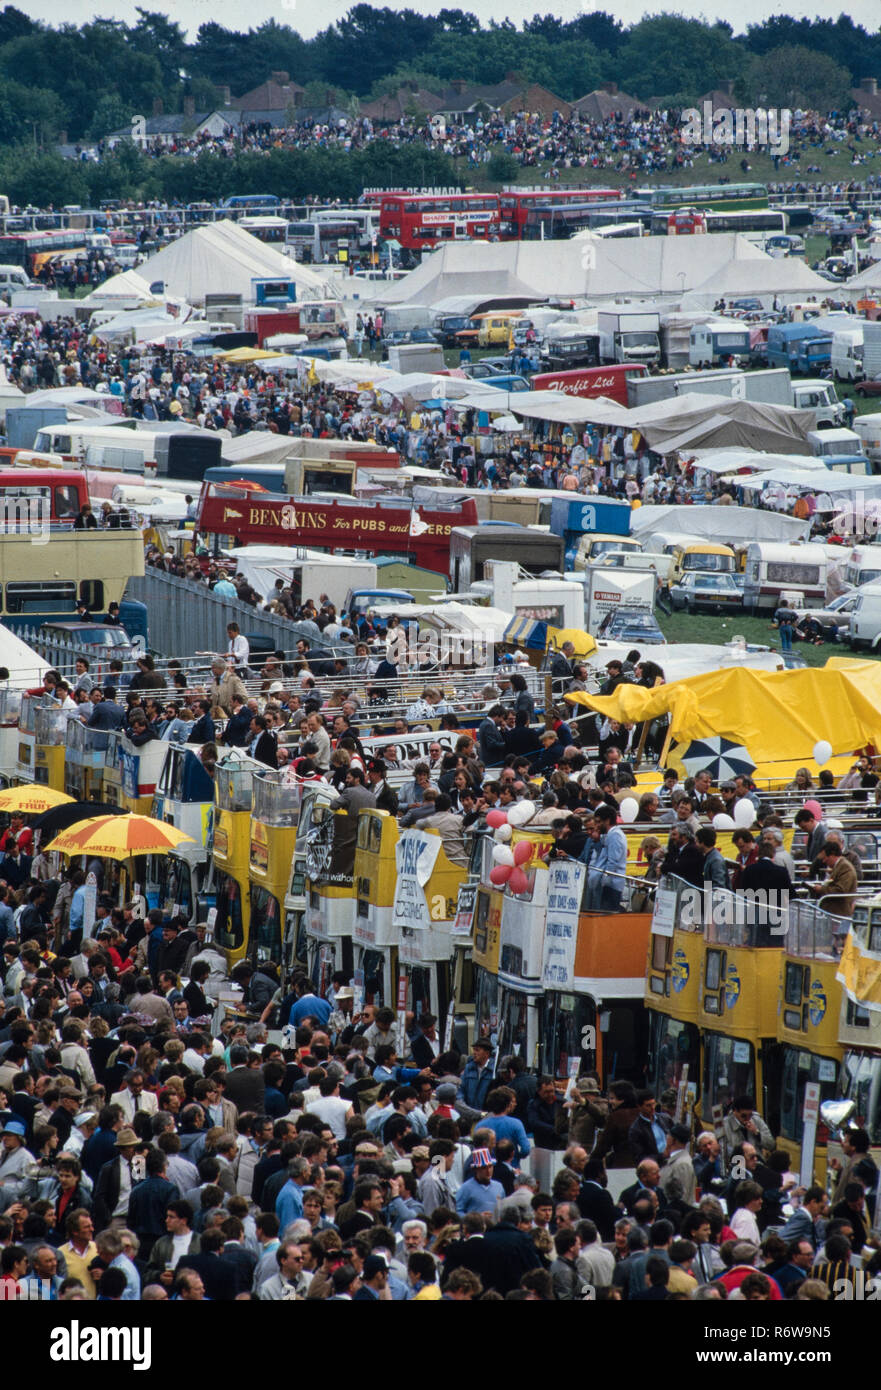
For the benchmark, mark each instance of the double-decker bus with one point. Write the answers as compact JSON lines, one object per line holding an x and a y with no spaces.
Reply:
{"x":516,"y":203}
{"x":31,"y":250}
{"x":420,"y":221}
{"x":272,"y":230}
{"x":766,"y":221}
{"x":711,"y":195}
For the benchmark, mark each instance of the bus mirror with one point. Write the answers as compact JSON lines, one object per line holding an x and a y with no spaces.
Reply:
{"x":836,"y":1114}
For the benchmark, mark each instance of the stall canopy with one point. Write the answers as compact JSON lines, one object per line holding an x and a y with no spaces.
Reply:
{"x":718,"y":523}
{"x":692,"y":420}
{"x":777,"y":716}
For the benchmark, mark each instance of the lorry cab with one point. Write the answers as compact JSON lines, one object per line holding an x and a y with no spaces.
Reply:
{"x":819,"y":396}
{"x":828,"y":442}
{"x":233,"y":797}
{"x":719,"y":343}
{"x":495,"y":328}
{"x":323,"y":879}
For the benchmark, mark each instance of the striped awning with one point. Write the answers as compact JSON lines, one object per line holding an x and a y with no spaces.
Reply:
{"x":529,"y":633}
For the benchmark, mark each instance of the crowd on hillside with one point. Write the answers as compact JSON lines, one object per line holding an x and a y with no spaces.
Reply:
{"x":627,"y":142}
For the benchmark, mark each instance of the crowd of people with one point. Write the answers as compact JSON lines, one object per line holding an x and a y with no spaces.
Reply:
{"x":628,"y":142}
{"x":156,"y":1146}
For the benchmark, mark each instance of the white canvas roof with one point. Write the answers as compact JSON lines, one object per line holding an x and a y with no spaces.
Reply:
{"x":718,"y":523}
{"x":789,"y":277}
{"x":220,"y":256}
{"x":636,"y":267}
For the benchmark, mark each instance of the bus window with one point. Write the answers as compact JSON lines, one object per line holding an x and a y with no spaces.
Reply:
{"x":67,"y":501}
{"x":229,"y":929}
{"x":373,"y":964}
{"x":92,"y":594}
{"x":22,"y":597}
{"x":265,"y":932}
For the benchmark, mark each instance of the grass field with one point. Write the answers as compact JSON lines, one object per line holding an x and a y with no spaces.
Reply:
{"x":707,"y":627}
{"x":836,"y":167}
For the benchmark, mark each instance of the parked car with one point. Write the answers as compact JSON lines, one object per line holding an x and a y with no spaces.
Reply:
{"x":636,"y":626}
{"x":871,"y":386}
{"x":834,"y":618}
{"x":712,"y":593}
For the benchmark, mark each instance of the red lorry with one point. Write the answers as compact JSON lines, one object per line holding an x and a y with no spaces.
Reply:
{"x":590,"y":382}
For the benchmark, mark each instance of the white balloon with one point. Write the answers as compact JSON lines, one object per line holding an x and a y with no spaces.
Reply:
{"x":516,"y":814}
{"x":502,"y":833}
{"x":744,"y":813}
{"x":822,"y":752}
{"x":527,"y":811}
{"x":502,"y":855}
{"x":629,"y":809}
{"x":722,"y":821}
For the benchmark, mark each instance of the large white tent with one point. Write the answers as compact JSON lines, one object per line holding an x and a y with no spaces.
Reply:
{"x":597,"y":269}
{"x":219,"y":257}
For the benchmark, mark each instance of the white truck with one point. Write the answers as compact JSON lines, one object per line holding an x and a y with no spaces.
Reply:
{"x":608,"y":590}
{"x":846,"y":358}
{"x":768,"y":386}
{"x":628,"y":335}
{"x":871,"y":350}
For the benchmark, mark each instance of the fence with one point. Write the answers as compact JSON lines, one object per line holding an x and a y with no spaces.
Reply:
{"x":185,"y":618}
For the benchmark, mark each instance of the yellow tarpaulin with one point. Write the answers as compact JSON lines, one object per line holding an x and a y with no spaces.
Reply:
{"x":776,"y":715}
{"x":247,"y":354}
{"x":859,"y":973}
{"x":583,"y":643}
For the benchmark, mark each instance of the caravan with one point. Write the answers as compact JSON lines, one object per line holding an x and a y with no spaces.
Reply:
{"x":774,"y":570}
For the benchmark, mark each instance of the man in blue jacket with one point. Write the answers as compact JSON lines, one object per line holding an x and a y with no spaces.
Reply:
{"x":477,"y":1077}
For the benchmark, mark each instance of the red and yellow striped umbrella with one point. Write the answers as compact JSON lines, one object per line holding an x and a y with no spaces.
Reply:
{"x":119,"y":837}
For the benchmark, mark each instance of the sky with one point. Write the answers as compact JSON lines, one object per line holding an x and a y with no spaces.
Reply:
{"x":308,"y":17}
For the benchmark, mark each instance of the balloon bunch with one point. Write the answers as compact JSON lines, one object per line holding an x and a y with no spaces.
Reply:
{"x":509,"y":864}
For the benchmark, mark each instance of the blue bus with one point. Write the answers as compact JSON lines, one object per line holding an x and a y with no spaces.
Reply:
{"x":243,"y":201}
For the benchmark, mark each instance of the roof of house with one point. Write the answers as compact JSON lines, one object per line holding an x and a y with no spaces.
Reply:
{"x":869,"y":102}
{"x":269,"y":96}
{"x":512,"y":94}
{"x":397,"y":105}
{"x":599,"y":105}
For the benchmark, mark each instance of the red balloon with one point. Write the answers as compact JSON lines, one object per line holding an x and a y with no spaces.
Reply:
{"x":496,"y":818}
{"x":500,"y":873}
{"x":522,"y":851}
{"x":518,"y":882}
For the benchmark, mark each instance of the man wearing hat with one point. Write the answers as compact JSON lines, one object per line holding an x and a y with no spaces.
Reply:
{"x":85,"y":1123}
{"x":480,"y":1192}
{"x":70,"y":1099}
{"x":15,"y":1162}
{"x":374,"y":1280}
{"x":116,"y":1179}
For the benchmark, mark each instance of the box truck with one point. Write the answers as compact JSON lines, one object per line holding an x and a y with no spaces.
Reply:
{"x":627,"y":335}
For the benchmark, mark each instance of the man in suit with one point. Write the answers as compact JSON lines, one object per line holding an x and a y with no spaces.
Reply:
{"x":264,"y":745}
{"x":355,"y":795}
{"x":133,"y":1099}
{"x":243,"y":1085}
{"x":105,"y":712}
{"x":595,"y":1202}
{"x":561,"y":668}
{"x":648,"y":1180}
{"x":203,"y":731}
{"x":425,"y":1047}
{"x":507,"y":1250}
{"x":386,"y":798}
{"x":217,"y":1276}
{"x":116,"y":1180}
{"x":648,"y":1133}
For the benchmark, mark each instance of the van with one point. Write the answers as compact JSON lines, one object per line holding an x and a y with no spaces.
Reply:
{"x":703,"y":557}
{"x":594,"y":546}
{"x":12,"y":277}
{"x":773,"y":569}
{"x":863,"y":566}
{"x":828,"y":442}
{"x":865,"y":618}
{"x":847,"y":354}
{"x":868,"y":427}
{"x":495,"y":329}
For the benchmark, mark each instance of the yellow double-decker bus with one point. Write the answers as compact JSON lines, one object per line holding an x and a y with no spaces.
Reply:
{"x":273,"y":833}
{"x":672,"y":987}
{"x":374,"y":932}
{"x":233,"y":796}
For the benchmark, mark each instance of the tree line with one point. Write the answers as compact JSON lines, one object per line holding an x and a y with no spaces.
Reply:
{"x":91,"y":79}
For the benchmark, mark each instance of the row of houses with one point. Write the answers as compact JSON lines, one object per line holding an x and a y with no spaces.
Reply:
{"x":279,"y":102}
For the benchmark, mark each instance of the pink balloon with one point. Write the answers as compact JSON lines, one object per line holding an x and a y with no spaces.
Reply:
{"x":496,"y":818}
{"x":518,"y":882}
{"x":815,"y":809}
{"x":500,"y":873}
{"x":522,"y":851}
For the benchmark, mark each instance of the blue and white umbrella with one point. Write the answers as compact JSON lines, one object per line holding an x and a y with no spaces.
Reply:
{"x":721,"y":757}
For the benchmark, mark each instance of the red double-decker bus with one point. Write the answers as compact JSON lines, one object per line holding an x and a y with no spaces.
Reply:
{"x":379,"y":527}
{"x":515,"y":203}
{"x":421,"y":221}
